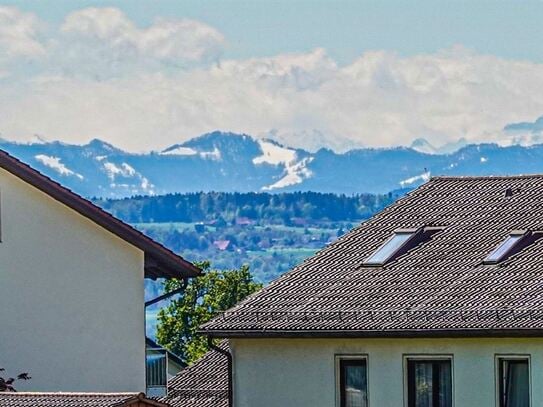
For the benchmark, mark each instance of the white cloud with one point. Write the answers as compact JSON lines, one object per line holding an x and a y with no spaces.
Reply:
{"x":307,"y":100}
{"x":19,"y":34}
{"x":177,"y":41}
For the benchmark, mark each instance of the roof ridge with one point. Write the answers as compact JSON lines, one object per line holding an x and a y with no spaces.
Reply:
{"x":484,"y":177}
{"x":66,"y":393}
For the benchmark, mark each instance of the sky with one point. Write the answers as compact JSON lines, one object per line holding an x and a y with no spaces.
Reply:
{"x":341,"y":74}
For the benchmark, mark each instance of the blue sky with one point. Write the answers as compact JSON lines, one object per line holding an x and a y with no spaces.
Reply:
{"x":309,"y":73}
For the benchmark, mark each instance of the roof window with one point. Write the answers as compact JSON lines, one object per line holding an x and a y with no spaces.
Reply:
{"x":399,"y":243}
{"x":515,"y":242}
{"x":390,"y":248}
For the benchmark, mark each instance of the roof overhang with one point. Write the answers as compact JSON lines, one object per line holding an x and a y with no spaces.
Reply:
{"x":322,"y":334}
{"x":160,"y":262}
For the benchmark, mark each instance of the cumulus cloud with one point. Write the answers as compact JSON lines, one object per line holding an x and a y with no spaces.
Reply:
{"x":19,"y":34}
{"x":304,"y":100}
{"x":166,"y":39}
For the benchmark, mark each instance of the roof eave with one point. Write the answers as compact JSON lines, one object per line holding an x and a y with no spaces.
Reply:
{"x":407,"y":333}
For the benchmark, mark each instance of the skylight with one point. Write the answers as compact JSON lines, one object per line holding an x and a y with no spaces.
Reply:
{"x":391,"y":248}
{"x":508,"y":247}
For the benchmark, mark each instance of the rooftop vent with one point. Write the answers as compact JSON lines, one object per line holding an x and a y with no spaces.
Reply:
{"x":509,"y":192}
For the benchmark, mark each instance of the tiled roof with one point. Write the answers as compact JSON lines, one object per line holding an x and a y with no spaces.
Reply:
{"x":202,"y":384}
{"x":439,"y":287}
{"x":15,"y":399}
{"x":160,"y":262}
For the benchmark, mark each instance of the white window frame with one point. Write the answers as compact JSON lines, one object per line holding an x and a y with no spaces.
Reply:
{"x":498,"y":357}
{"x":350,"y":356}
{"x":425,"y":356}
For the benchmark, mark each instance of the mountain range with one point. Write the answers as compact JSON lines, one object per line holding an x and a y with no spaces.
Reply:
{"x":229,"y":162}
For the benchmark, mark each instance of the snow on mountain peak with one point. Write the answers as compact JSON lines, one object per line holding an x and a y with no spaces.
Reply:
{"x":274,"y":154}
{"x":423,"y":146}
{"x":424,"y":177}
{"x":55,"y":164}
{"x":179,"y":150}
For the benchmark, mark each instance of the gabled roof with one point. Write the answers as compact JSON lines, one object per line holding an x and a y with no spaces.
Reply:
{"x":441,"y":287}
{"x":202,"y":384}
{"x":159,"y":261}
{"x":24,"y":399}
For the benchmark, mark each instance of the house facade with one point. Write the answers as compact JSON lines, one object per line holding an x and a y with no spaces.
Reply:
{"x":434,"y":302}
{"x":72,"y":287}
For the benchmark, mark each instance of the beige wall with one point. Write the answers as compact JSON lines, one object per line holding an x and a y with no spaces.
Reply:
{"x":301,"y":372}
{"x":71,"y":297}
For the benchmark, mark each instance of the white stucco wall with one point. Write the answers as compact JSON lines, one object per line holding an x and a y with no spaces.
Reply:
{"x":301,"y":372}
{"x":71,"y":297}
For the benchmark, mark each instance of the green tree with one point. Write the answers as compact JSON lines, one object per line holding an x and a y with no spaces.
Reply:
{"x":215,"y":291}
{"x":6,"y":384}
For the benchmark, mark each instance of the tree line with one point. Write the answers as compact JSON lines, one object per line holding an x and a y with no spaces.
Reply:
{"x":283,"y":208}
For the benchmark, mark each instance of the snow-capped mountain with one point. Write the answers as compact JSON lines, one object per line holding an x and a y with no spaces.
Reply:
{"x":236,"y":162}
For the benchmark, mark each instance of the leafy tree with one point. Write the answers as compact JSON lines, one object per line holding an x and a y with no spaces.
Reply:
{"x":215,"y":291}
{"x":6,"y":384}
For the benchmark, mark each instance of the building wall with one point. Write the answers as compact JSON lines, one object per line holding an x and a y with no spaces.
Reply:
{"x":301,"y":372}
{"x":71,"y":297}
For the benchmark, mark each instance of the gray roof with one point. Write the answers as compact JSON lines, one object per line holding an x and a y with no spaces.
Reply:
{"x":202,"y":384}
{"x":440,"y":287}
{"x":27,"y":399}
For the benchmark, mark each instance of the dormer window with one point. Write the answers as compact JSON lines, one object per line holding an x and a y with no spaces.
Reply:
{"x":511,"y":245}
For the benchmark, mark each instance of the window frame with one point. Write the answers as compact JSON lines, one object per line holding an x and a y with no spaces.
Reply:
{"x":339,"y":359}
{"x":515,"y":248}
{"x":426,"y":357}
{"x":413,"y":232}
{"x":498,"y":358}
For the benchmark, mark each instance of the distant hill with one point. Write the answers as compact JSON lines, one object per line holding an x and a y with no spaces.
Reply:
{"x":227,"y":208}
{"x":235,"y":162}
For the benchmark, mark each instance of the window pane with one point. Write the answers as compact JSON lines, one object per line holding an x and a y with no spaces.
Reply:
{"x":382,"y":254}
{"x":515,"y":383}
{"x":429,"y":383}
{"x":503,"y":248}
{"x":353,"y":383}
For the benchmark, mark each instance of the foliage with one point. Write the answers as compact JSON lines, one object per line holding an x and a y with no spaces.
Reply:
{"x":224,"y":207}
{"x":215,"y":291}
{"x":7,"y":384}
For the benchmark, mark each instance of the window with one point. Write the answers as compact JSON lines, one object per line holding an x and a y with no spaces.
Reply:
{"x":513,"y":382}
{"x":506,"y":248}
{"x":156,"y":372}
{"x":391,"y":248}
{"x":429,"y":382}
{"x":353,"y":382}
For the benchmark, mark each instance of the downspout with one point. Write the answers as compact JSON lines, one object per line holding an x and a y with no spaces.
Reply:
{"x":230,"y":375}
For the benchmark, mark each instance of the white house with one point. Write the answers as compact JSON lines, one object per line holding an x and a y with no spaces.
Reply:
{"x":435,"y":302}
{"x":72,"y":287}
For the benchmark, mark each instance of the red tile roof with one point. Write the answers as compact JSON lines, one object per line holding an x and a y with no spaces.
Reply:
{"x":159,"y":261}
{"x":440,"y":287}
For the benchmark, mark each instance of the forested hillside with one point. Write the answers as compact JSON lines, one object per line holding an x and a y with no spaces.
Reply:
{"x":270,"y":232}
{"x":261,"y":208}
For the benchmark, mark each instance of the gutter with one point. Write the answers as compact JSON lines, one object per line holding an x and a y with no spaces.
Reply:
{"x":396,"y":333}
{"x":230,"y":374}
